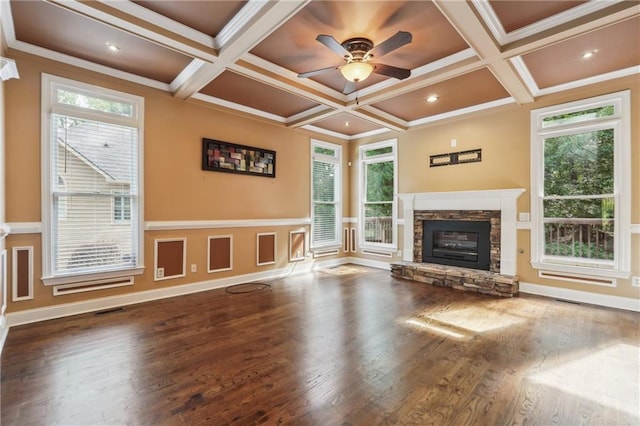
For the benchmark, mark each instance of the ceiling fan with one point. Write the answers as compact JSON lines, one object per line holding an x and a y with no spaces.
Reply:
{"x":360,"y":55}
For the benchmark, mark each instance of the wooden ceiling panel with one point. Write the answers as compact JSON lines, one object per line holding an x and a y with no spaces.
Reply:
{"x":40,"y":23}
{"x":208,"y":17}
{"x":346,"y":124}
{"x":516,"y":14}
{"x":618,"y":47}
{"x":293,"y":45}
{"x":471,"y":89}
{"x":247,"y":92}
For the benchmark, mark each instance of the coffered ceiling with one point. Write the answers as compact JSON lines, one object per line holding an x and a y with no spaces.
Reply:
{"x":246,"y":55}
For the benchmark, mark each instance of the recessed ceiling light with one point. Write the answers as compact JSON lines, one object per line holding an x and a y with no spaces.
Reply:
{"x":112,"y":47}
{"x":432,"y":98}
{"x":588,"y":54}
{"x":346,"y":124}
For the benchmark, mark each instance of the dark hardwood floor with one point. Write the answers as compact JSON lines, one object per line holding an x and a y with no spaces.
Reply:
{"x":344,"y":346}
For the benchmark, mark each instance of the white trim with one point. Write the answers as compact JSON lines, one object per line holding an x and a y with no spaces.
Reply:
{"x":618,"y":302}
{"x":3,"y":280}
{"x":379,"y":253}
{"x":300,"y":256}
{"x":219,"y":237}
{"x":275,"y":248}
{"x":504,"y":200}
{"x":577,"y":278}
{"x":156,"y":276}
{"x":635,"y":228}
{"x":49,"y":105}
{"x":524,"y":225}
{"x":363,"y":161}
{"x":25,"y":227}
{"x":495,"y":26}
{"x":8,"y":69}
{"x":162,"y":21}
{"x":344,"y":136}
{"x":325,"y":252}
{"x":522,"y":69}
{"x":620,"y":122}
{"x":239,"y":21}
{"x":14,"y":273}
{"x":214,"y":224}
{"x":238,"y":107}
{"x":349,"y":220}
{"x":462,"y":111}
{"x":62,"y":290}
{"x":336,"y":161}
{"x":87,"y":65}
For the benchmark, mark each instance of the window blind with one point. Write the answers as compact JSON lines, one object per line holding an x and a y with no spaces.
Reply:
{"x":94,"y":168}
{"x":325,"y":230}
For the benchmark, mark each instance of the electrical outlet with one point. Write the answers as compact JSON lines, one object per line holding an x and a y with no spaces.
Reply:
{"x":160,"y":273}
{"x":635,"y":281}
{"x":524,"y":217}
{"x":194,"y":268}
{"x":399,"y":253}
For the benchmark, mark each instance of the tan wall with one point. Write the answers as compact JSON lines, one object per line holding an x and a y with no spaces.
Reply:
{"x":504,"y":137}
{"x":175,"y":187}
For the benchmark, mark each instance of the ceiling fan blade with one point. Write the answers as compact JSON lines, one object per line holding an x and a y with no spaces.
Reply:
{"x":349,"y":87}
{"x":391,"y":71}
{"x":333,"y":44}
{"x":397,"y":40}
{"x":316,"y":72}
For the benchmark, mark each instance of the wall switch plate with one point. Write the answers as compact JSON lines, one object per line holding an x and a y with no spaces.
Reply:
{"x":635,"y":281}
{"x":160,"y":273}
{"x":399,"y":253}
{"x":524,"y":217}
{"x":194,"y":267}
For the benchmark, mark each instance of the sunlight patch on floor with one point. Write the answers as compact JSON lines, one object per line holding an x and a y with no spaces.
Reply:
{"x":344,"y":270}
{"x":476,"y":319}
{"x":435,"y":327}
{"x":609,"y":377}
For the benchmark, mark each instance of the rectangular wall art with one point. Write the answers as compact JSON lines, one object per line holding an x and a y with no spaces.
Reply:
{"x":232,"y":158}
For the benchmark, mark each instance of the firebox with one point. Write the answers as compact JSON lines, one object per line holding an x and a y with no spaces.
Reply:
{"x":457,"y":243}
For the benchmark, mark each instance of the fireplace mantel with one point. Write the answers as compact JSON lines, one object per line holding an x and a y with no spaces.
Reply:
{"x":504,"y":200}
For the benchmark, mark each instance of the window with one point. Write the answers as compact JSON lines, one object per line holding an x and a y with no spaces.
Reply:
{"x":92,"y":145}
{"x":121,"y":207}
{"x":378,"y":189}
{"x":580,"y":182}
{"x":326,"y":182}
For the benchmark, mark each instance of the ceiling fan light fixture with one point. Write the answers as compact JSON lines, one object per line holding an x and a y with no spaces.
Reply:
{"x":356,"y":71}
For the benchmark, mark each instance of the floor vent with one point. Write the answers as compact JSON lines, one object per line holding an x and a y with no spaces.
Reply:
{"x":110,"y":311}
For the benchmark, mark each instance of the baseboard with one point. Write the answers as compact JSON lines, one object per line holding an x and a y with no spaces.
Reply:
{"x":617,"y":302}
{"x":67,"y":309}
{"x":4,"y":330}
{"x":368,"y":262}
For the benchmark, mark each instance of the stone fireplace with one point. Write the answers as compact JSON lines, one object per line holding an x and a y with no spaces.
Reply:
{"x":466,"y":265}
{"x":428,"y":225}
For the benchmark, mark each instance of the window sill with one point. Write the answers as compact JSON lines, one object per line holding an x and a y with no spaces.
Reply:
{"x":74,"y":279}
{"x":594,"y":271}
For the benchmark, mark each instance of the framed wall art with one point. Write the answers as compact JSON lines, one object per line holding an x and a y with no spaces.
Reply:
{"x":228,"y":157}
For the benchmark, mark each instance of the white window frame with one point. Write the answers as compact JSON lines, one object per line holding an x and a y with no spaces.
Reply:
{"x":50,"y":106}
{"x":337,"y":160}
{"x":620,"y":121}
{"x":364,"y":160}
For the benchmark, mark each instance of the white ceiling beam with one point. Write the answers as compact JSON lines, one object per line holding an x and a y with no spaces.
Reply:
{"x":258,"y":20}
{"x":461,"y":15}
